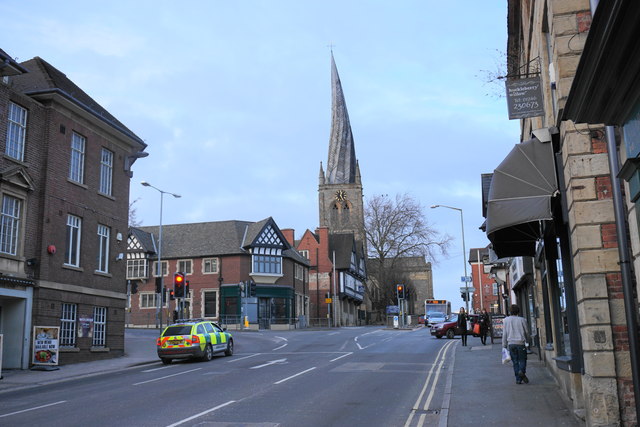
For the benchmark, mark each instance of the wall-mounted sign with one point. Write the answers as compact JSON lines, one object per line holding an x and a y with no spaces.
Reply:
{"x":524,"y":98}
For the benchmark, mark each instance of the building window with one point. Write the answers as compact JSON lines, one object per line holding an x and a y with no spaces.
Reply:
{"x":305,"y":253}
{"x":16,"y":131}
{"x":267,"y":264}
{"x":68,"y":325}
{"x":165,"y":268}
{"x":76,"y":170}
{"x":10,"y":225}
{"x":72,"y":252}
{"x":184,"y":266}
{"x":495,"y":288}
{"x":137,"y":268}
{"x":148,"y":300}
{"x":99,"y":326}
{"x":106,"y":171}
{"x":210,"y":265}
{"x":103,"y":248}
{"x":210,"y":302}
{"x":299,"y":272}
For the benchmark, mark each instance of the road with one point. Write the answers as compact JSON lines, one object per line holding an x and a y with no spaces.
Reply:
{"x":364,"y":376}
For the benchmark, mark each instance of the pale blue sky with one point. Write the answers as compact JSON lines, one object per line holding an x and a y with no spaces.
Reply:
{"x":233,"y":100}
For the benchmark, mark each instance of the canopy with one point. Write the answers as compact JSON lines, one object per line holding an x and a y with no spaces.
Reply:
{"x":520,"y":197}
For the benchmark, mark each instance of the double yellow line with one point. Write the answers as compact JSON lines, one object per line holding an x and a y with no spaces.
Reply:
{"x":430,"y":384}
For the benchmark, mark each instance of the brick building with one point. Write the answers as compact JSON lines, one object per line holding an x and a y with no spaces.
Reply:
{"x":220,"y":260}
{"x":487,"y":293}
{"x":64,"y":183}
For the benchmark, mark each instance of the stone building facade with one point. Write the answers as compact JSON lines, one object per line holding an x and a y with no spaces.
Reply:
{"x":586,"y":301}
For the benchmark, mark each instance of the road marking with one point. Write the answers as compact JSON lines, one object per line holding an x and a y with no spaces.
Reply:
{"x":333,"y":333}
{"x":293,"y":376}
{"x":158,"y":369}
{"x":340,"y":357}
{"x":167,"y":376}
{"x":32,"y":409}
{"x":273,"y":362}
{"x":283,"y":345}
{"x":242,"y":358}
{"x":201,"y":414}
{"x":435,"y":367}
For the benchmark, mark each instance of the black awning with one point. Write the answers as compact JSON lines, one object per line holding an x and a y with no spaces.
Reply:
{"x":520,"y":197}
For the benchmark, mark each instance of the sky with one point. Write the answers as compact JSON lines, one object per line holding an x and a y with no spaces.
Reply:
{"x":233,"y":100}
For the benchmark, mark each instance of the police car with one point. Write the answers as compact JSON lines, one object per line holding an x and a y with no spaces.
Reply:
{"x":193,"y":338}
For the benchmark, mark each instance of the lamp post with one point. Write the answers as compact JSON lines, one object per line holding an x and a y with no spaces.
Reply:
{"x":464,"y":251}
{"x":159,"y":264}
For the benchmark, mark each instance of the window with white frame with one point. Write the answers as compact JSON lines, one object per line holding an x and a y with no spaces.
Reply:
{"x":267,"y":260}
{"x":76,"y":169}
{"x":148,"y":300}
{"x":165,"y":268}
{"x":16,"y":131}
{"x":103,"y":248}
{"x":304,"y":253}
{"x":495,"y":288}
{"x":210,"y":265}
{"x":99,"y":327}
{"x":210,"y":303}
{"x":72,"y":251}
{"x":137,"y":268}
{"x":106,"y":171}
{"x":299,"y":272}
{"x":184,"y":266}
{"x":10,"y":225}
{"x":68,"y":325}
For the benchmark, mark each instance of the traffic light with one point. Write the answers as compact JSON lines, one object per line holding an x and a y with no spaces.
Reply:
{"x":172,"y":294}
{"x":252,"y":288}
{"x":464,"y":296}
{"x":400,"y":291}
{"x":178,"y":285}
{"x":158,"y":285}
{"x":186,"y":289}
{"x":241,"y":289}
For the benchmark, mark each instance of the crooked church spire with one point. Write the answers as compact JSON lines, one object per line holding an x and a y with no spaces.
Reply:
{"x":341,"y":165}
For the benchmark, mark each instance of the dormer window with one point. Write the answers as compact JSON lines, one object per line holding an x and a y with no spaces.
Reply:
{"x":267,"y":261}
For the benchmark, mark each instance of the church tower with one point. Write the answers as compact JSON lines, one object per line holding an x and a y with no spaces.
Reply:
{"x":340,"y":188}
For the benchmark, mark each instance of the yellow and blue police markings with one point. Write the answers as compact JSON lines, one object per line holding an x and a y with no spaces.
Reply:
{"x":193,"y":339}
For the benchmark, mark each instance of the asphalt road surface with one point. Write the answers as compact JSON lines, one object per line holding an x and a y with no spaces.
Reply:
{"x":364,"y":376}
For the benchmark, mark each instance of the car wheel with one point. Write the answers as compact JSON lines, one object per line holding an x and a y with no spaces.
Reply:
{"x":208,"y":353}
{"x":450,"y":334}
{"x":229,"y":350}
{"x":165,"y":360}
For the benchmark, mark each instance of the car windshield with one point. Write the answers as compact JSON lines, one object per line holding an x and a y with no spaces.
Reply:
{"x":453,"y":319}
{"x":177,"y":330}
{"x":435,"y":314}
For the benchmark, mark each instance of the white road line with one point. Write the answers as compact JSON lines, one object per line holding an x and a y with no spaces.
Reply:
{"x":242,"y":358}
{"x":273,"y":362}
{"x":438,"y":361}
{"x":278,"y":348}
{"x":167,"y":376}
{"x":293,"y":376}
{"x":333,"y":333}
{"x":201,"y":414}
{"x":158,"y":369}
{"x":340,"y":357}
{"x":32,"y":409}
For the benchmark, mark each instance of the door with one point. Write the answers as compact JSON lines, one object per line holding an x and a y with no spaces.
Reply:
{"x":264,"y":313}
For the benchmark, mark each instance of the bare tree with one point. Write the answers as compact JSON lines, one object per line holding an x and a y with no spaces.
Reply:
{"x":395,"y":229}
{"x":133,"y":220}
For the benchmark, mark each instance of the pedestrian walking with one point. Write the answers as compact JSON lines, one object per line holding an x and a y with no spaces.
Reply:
{"x":514,"y":337}
{"x":463,"y":318}
{"x":484,"y":321}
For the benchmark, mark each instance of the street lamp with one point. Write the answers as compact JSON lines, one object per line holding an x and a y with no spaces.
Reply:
{"x":159,"y":265}
{"x":464,"y":251}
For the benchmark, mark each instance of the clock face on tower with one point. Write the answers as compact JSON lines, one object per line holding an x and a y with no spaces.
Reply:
{"x":341,"y":195}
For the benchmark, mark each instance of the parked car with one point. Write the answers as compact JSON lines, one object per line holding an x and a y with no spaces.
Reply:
{"x":434,"y":317}
{"x":450,"y":327}
{"x":421,"y":320}
{"x":198,"y":339}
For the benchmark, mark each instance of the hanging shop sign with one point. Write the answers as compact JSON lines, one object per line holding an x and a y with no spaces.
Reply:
{"x":524,"y":98}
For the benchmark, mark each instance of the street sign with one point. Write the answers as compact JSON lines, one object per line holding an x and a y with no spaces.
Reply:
{"x":466,"y":279}
{"x":328,"y":300}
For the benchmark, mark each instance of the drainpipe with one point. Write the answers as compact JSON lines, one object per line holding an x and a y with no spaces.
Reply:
{"x":630,"y":309}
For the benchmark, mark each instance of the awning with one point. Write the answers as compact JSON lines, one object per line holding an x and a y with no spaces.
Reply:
{"x":520,"y":197}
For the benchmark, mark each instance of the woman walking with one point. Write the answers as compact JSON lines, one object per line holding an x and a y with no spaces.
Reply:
{"x":463,"y":317}
{"x":485,"y":321}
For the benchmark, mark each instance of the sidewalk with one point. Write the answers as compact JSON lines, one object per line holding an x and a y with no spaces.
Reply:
{"x":482,"y":391}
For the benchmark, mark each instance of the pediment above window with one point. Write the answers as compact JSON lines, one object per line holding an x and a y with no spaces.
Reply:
{"x":18,"y":177}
